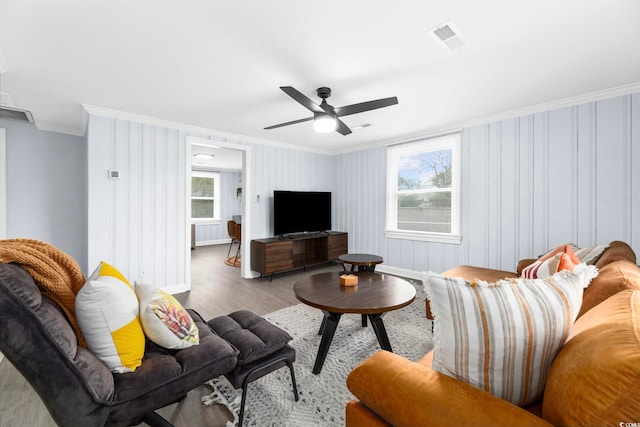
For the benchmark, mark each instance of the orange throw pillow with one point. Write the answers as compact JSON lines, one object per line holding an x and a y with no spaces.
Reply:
{"x":561,"y":258}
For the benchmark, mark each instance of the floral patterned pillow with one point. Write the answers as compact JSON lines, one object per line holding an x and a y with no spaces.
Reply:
{"x":164,"y":320}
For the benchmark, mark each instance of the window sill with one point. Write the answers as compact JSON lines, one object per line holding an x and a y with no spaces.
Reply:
{"x":453,"y":239}
{"x":206,"y":221}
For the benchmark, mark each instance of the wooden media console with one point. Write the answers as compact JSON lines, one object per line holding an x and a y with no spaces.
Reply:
{"x":278,"y":254}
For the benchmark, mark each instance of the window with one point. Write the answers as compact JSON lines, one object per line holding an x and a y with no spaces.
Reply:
{"x":205,"y":196}
{"x":423,"y":190}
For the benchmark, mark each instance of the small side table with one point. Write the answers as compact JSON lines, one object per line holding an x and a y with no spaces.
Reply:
{"x":364,"y":262}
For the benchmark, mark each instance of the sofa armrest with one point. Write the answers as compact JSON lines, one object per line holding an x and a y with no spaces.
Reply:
{"x":524,"y":263}
{"x":405,"y":393}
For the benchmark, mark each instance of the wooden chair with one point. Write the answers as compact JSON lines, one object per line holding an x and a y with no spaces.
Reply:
{"x":231,"y":229}
{"x":238,"y":237}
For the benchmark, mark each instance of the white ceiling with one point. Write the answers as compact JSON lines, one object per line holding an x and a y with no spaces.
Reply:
{"x":219,"y":64}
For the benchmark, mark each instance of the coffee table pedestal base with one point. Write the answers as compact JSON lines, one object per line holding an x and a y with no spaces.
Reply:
{"x":328,"y":330}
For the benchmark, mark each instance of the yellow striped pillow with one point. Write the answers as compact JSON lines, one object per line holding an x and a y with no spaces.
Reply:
{"x":502,"y":337}
{"x":107,"y":312}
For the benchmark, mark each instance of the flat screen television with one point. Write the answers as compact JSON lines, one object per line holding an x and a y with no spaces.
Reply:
{"x":301,"y":211}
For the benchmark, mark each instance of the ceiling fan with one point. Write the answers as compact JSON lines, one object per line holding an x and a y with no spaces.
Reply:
{"x":326,"y":117}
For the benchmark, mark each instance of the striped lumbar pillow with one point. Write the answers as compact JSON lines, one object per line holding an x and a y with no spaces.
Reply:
{"x":502,"y":337}
{"x":589,"y":255}
{"x":560,"y":258}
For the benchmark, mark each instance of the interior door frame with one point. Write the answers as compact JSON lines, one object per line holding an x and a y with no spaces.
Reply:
{"x":245,"y":254}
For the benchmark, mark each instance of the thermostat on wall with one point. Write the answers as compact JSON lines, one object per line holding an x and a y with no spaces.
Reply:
{"x":114,"y":174}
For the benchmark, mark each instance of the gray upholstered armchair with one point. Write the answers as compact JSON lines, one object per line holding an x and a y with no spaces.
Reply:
{"x":76,"y":387}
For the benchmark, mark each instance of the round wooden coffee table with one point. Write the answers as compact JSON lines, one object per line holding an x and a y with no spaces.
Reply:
{"x":364,"y":262}
{"x":373,"y":296}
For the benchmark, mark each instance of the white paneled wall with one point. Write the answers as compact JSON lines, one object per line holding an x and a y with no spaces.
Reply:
{"x":278,"y":168}
{"x":138,"y":222}
{"x":528,"y":184}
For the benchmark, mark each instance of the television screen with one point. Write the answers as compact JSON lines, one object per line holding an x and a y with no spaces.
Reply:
{"x":301,"y":211}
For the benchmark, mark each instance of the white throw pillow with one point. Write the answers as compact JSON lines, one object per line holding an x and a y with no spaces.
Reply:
{"x":502,"y":337}
{"x":107,"y":313}
{"x":164,"y":320}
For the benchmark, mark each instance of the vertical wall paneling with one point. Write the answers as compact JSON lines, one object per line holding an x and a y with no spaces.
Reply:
{"x":634,"y":181}
{"x":132,"y":221}
{"x":627,"y":182}
{"x":610,"y":157}
{"x":99,"y":191}
{"x":529,"y":184}
{"x":133,"y":166}
{"x":559,"y":178}
{"x":494,"y":243}
{"x":507,"y":202}
{"x":478,"y":238}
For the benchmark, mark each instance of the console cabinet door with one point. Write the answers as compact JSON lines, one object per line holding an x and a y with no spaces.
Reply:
{"x":271,"y":257}
{"x":338,"y":245}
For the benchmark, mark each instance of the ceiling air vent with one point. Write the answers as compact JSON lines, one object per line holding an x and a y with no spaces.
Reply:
{"x":8,"y":110}
{"x":15,"y":114}
{"x":447,"y":36}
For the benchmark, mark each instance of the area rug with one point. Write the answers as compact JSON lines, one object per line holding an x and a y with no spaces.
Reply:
{"x":323,"y":397}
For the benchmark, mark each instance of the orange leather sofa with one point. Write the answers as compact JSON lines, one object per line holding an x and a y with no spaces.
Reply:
{"x":594,"y":380}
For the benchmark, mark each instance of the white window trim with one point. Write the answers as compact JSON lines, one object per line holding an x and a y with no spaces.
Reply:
{"x":434,"y":143}
{"x":217,"y":200}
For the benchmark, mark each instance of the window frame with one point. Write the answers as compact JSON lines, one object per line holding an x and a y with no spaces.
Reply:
{"x":449,"y":141}
{"x":217,"y":200}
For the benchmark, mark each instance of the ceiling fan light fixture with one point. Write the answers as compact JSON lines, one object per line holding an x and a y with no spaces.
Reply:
{"x":324,"y":123}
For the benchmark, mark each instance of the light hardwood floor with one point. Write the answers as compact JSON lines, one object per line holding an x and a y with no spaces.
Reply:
{"x":217,"y":289}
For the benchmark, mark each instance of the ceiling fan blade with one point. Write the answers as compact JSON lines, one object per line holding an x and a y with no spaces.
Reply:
{"x":302,"y":99}
{"x":342,"y":128}
{"x":365,"y":106}
{"x":289,"y":123}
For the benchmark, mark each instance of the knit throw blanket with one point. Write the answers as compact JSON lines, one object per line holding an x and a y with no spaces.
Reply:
{"x":57,"y":274}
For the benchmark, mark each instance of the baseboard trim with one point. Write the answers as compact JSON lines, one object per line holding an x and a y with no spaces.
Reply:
{"x":176,"y":289}
{"x":396,"y":271}
{"x":213,"y":242}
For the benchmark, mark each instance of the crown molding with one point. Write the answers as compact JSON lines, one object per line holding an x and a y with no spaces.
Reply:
{"x":426,"y":133}
{"x":559,"y":103}
{"x":225,"y":136}
{"x":520,"y":112}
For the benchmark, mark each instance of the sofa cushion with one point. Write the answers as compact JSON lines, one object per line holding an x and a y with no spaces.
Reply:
{"x":166,"y":374}
{"x":558,"y":259}
{"x":595,"y":378}
{"x":501,"y":337}
{"x":164,"y":320}
{"x":612,"y":278}
{"x":107,"y":312}
{"x":617,"y":251}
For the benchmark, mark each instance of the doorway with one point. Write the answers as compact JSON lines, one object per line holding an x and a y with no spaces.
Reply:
{"x":228,"y":158}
